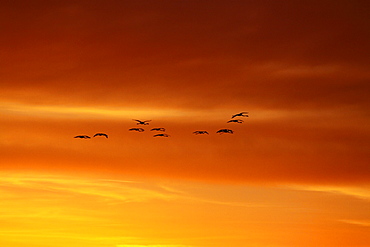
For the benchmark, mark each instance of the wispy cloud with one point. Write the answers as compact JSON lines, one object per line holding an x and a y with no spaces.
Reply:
{"x":110,"y":190}
{"x":357,"y":222}
{"x":55,"y":111}
{"x":358,"y":192}
{"x":103,"y":189}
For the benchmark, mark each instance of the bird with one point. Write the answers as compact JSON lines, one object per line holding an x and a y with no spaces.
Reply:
{"x":241,"y":114}
{"x":101,"y":134}
{"x":221,"y":131}
{"x":139,"y":122}
{"x":137,"y":129}
{"x":163,"y":135}
{"x":235,"y":121}
{"x":200,"y":132}
{"x":82,"y":137}
{"x":158,"y":129}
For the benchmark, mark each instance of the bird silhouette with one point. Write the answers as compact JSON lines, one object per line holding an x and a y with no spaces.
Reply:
{"x":137,"y":129}
{"x":82,"y":137}
{"x":241,"y":114}
{"x":101,"y":134}
{"x":158,"y":129}
{"x":221,"y":131}
{"x":163,"y":135}
{"x":139,"y":122}
{"x":235,"y":121}
{"x":200,"y":132}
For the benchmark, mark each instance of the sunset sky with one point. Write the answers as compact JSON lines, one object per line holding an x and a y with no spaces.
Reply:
{"x":295,"y":173}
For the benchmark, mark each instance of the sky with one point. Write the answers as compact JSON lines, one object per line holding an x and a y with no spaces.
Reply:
{"x":294,"y":173}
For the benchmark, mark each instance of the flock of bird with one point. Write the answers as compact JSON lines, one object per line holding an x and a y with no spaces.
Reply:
{"x":197,"y":132}
{"x":88,"y":137}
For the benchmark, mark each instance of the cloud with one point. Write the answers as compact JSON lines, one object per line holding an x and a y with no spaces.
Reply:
{"x":357,"y":192}
{"x":357,"y":222}
{"x":301,"y":70}
{"x":99,"y":189}
{"x":271,"y":146}
{"x":172,"y":54}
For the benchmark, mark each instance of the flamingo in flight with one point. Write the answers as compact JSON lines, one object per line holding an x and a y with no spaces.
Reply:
{"x":235,"y":121}
{"x":82,"y":137}
{"x":200,"y":132}
{"x":139,"y":122}
{"x":158,"y":129}
{"x":163,"y":135}
{"x":137,"y":129}
{"x":101,"y":134}
{"x":222,"y":131}
{"x":241,"y":114}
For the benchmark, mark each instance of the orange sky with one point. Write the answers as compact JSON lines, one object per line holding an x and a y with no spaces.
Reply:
{"x":297,"y":167}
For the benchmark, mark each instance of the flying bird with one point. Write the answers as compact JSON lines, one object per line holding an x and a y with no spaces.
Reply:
{"x":137,"y":129}
{"x":158,"y":129}
{"x":241,"y":114}
{"x":82,"y":137}
{"x":163,"y":135}
{"x":101,"y":134}
{"x":221,"y":131}
{"x":139,"y":122}
{"x":235,"y":121}
{"x":200,"y":132}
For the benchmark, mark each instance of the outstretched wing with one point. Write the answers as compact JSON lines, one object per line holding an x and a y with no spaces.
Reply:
{"x":101,"y":134}
{"x":225,"y":131}
{"x":200,"y":132}
{"x":239,"y":114}
{"x":82,"y":137}
{"x":137,"y":129}
{"x":164,"y":135}
{"x":235,"y":121}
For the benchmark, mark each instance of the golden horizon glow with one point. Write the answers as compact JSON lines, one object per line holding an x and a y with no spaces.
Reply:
{"x":68,"y":209}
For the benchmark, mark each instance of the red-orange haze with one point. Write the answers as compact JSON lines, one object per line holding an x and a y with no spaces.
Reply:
{"x":295,"y":172}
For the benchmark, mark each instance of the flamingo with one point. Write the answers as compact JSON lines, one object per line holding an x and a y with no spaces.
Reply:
{"x":163,"y":135}
{"x":139,"y":122}
{"x":200,"y":132}
{"x":241,"y":114}
{"x":101,"y":134}
{"x":158,"y":129}
{"x":82,"y":137}
{"x":221,"y":131}
{"x":137,"y":129}
{"x":235,"y":121}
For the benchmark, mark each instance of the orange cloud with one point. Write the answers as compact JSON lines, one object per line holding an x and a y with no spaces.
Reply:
{"x":269,"y":147}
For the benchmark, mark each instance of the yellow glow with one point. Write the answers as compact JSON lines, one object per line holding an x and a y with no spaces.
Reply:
{"x":78,"y":112}
{"x":90,"y":211}
{"x":362,"y":193}
{"x":54,"y":111}
{"x":131,"y":245}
